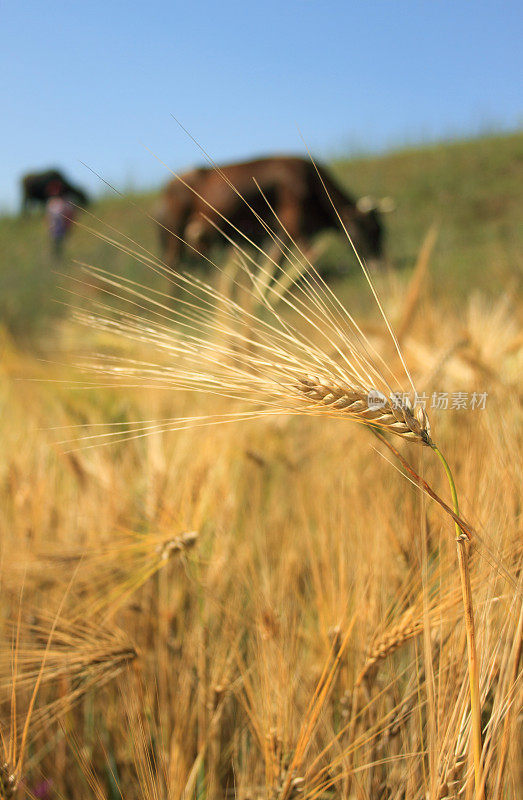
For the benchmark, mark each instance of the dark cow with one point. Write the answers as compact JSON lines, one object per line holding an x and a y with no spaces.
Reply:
{"x":38,"y":187}
{"x":299,"y":193}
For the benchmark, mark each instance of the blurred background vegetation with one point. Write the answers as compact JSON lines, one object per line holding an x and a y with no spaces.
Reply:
{"x":472,"y":190}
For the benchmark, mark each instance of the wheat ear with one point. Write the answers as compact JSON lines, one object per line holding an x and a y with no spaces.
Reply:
{"x":369,"y":408}
{"x":406,"y":629}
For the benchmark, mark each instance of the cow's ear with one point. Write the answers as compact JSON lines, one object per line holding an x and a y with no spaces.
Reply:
{"x":386,"y":205}
{"x":366,"y":204}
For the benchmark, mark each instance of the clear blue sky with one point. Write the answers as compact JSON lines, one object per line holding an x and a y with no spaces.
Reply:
{"x":93,"y":81}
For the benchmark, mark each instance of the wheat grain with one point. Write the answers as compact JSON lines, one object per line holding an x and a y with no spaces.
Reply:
{"x":395,"y":638}
{"x":396,"y":417}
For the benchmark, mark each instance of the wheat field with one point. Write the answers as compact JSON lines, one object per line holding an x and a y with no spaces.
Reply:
{"x":216,"y":584}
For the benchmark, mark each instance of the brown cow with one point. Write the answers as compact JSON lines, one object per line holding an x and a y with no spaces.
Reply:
{"x":294,"y":190}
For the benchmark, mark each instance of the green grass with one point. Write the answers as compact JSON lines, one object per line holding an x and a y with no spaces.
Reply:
{"x":473,"y":190}
{"x":31,"y":297}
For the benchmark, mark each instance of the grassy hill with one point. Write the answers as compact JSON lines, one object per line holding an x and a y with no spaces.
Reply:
{"x":473,"y":190}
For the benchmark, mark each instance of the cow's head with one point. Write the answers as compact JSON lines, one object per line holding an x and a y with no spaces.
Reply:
{"x":364,"y":224}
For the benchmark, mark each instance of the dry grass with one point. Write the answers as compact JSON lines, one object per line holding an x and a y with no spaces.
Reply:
{"x":309,"y":643}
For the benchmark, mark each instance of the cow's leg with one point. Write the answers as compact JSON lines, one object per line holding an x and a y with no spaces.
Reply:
{"x":289,"y":213}
{"x":171,"y":248}
{"x":294,"y":252}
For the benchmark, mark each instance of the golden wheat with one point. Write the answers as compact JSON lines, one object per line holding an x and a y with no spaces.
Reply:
{"x":393,"y":417}
{"x":298,"y":354}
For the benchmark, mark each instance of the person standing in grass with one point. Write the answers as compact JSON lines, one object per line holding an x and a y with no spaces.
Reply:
{"x":61,"y":214}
